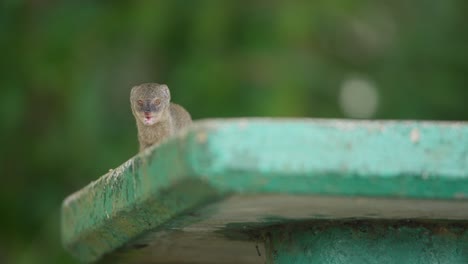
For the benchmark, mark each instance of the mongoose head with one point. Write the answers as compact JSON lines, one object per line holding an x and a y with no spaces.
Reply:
{"x":149,"y":102}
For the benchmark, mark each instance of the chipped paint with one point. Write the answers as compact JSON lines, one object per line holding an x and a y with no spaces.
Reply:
{"x":414,"y":136}
{"x":298,"y":157}
{"x":356,"y":242}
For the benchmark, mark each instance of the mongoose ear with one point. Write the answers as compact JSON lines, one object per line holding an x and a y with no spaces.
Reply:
{"x":132,"y":91}
{"x":132,"y":94}
{"x":165,"y":91}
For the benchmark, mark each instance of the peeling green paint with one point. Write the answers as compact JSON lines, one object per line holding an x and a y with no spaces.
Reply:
{"x":217,"y":158}
{"x":349,"y":242}
{"x":138,"y":196}
{"x":337,"y":157}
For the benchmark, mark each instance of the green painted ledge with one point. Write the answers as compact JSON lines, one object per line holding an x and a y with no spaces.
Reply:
{"x":220,"y":175}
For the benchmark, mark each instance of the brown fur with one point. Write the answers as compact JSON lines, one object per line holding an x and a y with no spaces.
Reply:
{"x":171,"y":118}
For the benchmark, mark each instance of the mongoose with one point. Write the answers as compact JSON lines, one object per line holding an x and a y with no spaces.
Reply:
{"x":156,"y":117}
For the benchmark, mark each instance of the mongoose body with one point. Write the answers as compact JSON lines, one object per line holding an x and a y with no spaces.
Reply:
{"x":156,"y":117}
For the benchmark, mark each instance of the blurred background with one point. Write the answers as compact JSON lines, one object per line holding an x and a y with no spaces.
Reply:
{"x":66,"y":69}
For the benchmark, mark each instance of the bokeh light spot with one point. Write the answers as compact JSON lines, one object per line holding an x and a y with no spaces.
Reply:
{"x":358,"y":98}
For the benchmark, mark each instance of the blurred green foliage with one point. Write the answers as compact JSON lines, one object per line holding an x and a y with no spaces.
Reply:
{"x":67,"y":68}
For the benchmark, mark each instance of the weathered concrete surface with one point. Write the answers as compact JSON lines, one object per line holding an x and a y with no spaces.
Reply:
{"x":231,"y":230}
{"x":357,"y":242}
{"x":215,"y":159}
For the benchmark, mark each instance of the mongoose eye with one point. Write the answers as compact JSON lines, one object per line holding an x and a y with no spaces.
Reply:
{"x":140,"y":102}
{"x":157,"y":101}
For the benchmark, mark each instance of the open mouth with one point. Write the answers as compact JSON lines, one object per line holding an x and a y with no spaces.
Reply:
{"x":148,"y":119}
